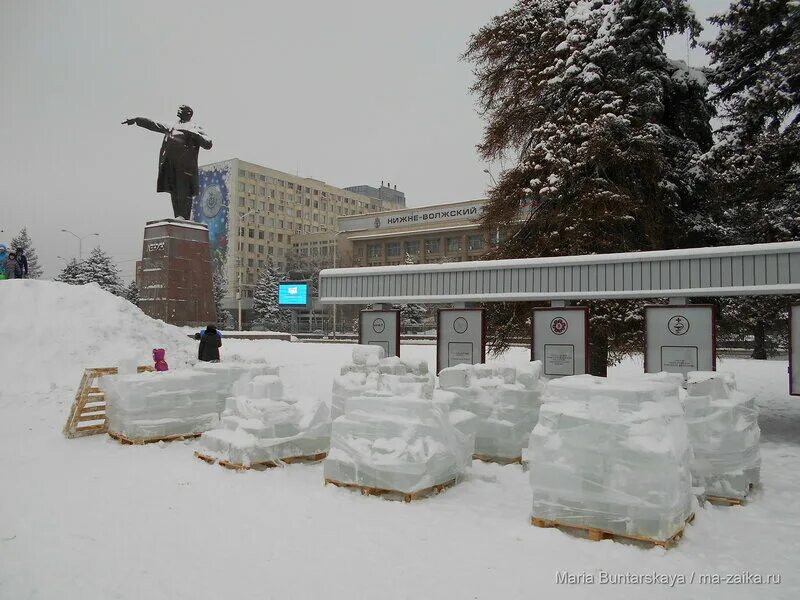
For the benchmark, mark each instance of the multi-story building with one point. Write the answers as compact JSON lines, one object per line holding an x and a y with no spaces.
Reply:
{"x":426,"y":234}
{"x":385,"y":192}
{"x":255,"y":214}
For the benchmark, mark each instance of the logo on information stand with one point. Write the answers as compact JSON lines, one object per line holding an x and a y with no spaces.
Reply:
{"x":460,"y":325}
{"x":378,"y":325}
{"x":559,"y":326}
{"x":678,"y":325}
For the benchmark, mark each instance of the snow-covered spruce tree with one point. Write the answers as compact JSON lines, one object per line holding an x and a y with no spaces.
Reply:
{"x":265,"y":301}
{"x":23,"y":240}
{"x":755,"y":165}
{"x":411,"y":314}
{"x":70,"y":272}
{"x":220,"y":291}
{"x":100,"y":269}
{"x":602,"y":131}
{"x":131,"y":293}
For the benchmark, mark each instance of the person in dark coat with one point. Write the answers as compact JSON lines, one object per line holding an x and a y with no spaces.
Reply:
{"x":10,"y":266}
{"x":210,"y":343}
{"x":177,"y":162}
{"x":22,"y":264}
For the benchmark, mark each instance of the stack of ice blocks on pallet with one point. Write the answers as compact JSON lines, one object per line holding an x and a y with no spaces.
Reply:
{"x":505,"y":400}
{"x":228,"y":373}
{"x":155,"y":405}
{"x":262,"y":423}
{"x":391,"y":435}
{"x":724,"y":434}
{"x":612,"y":455}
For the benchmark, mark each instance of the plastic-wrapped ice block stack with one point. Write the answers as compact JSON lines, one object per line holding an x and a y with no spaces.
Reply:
{"x":228,"y":373}
{"x":404,"y":444}
{"x":262,"y":422}
{"x":724,"y":434}
{"x":159,"y":405}
{"x":505,"y":400}
{"x":370,"y":371}
{"x":612,"y":455}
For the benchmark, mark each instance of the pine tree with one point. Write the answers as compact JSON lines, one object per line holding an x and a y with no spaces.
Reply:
{"x":23,"y":241}
{"x":604,"y":134}
{"x":100,"y":269}
{"x":265,"y":301}
{"x":754,"y":196}
{"x":70,"y":273}
{"x":131,"y":293}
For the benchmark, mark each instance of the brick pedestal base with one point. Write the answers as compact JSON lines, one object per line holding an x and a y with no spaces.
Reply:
{"x":176,"y":284}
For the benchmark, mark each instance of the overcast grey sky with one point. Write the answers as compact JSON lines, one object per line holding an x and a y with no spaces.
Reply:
{"x":347,"y":91}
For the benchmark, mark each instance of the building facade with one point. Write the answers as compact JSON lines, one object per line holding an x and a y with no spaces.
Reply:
{"x":428,"y":234}
{"x":255,"y":214}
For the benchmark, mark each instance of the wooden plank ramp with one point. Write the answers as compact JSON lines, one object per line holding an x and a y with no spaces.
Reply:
{"x":394,"y":494}
{"x":261,"y":466}
{"x":154,"y":440}
{"x":596,"y":534}
{"x":488,"y":458}
{"x":87,"y":416}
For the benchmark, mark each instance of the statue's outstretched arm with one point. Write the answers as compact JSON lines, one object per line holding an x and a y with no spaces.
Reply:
{"x":203,"y":140}
{"x":147,"y":124}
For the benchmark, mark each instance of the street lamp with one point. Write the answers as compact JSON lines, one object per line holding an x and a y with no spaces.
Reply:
{"x":80,"y":240}
{"x":239,"y":270}
{"x":489,"y":173}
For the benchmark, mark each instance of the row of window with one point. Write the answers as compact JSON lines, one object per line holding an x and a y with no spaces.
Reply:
{"x":262,"y":191}
{"x":262,"y":205}
{"x":432,"y":246}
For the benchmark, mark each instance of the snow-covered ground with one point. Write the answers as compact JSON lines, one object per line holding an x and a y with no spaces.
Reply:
{"x":91,"y":519}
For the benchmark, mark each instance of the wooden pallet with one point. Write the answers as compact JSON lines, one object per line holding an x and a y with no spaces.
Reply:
{"x":726,"y":501}
{"x":488,"y":458}
{"x":260,"y":466}
{"x":142,"y":441}
{"x":595,"y":534}
{"x":88,"y":413}
{"x":394,"y":494}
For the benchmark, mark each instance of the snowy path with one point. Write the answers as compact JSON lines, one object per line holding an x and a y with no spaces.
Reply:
{"x":90,"y":519}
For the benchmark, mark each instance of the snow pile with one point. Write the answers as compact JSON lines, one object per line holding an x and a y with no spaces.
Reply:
{"x":505,"y":400}
{"x":400,"y":443}
{"x":157,"y":405}
{"x":612,"y":455}
{"x":370,"y":371}
{"x":263,"y":423}
{"x":724,"y":434}
{"x":54,"y":331}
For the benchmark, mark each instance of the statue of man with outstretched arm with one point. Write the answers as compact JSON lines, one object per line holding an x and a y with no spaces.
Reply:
{"x":177,"y":163}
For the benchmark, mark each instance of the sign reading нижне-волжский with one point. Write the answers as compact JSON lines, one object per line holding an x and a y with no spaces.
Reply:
{"x":469,"y":211}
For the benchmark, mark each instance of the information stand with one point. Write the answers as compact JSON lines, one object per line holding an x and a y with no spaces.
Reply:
{"x":794,"y":348}
{"x":560,"y":339}
{"x":460,"y":337}
{"x":680,"y":338}
{"x":380,"y":328}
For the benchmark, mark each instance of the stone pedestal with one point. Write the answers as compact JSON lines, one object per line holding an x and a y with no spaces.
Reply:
{"x":176,"y":282}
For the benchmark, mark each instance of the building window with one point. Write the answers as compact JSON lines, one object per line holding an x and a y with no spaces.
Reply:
{"x":373,"y":251}
{"x":262,"y":191}
{"x":475,"y":242}
{"x":241,"y":186}
{"x":241,"y":200}
{"x":261,"y":235}
{"x":251,"y":247}
{"x":412,"y":248}
{"x":432,"y":246}
{"x":271,"y":236}
{"x":242,"y":173}
{"x":251,"y":188}
{"x":251,"y":233}
{"x":261,"y":249}
{"x":280,"y":237}
{"x":280,"y":224}
{"x":393,"y":249}
{"x":453,"y":245}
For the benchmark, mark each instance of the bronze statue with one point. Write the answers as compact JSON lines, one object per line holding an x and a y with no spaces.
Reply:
{"x":177,"y":163}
